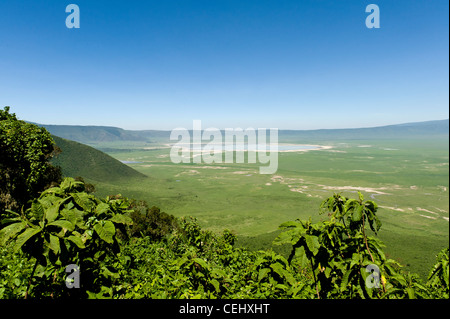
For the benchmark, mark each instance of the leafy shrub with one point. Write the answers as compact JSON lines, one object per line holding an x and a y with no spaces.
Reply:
{"x":343,"y":260}
{"x":438,"y":277}
{"x":25,"y":152}
{"x":14,"y":273}
{"x":150,"y":221}
{"x":65,"y":225}
{"x":329,"y":259}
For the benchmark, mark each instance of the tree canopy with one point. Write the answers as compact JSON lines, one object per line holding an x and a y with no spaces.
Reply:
{"x":25,"y":151}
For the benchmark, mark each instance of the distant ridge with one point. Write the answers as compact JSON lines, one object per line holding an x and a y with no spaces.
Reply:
{"x":84,"y":134}
{"x":415,"y":130}
{"x":96,"y":134}
{"x":81,"y":160}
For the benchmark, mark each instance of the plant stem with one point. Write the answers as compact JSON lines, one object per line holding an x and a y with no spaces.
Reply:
{"x":54,"y":279}
{"x":31,"y":277}
{"x":315,"y":280}
{"x":365,"y":240}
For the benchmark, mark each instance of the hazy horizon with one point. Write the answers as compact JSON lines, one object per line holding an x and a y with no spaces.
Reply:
{"x":244,"y":127}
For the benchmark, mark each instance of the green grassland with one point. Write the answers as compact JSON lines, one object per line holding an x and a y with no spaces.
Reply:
{"x":407,"y":178}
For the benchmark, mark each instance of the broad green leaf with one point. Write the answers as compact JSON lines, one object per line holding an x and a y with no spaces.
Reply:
{"x":313,"y":243}
{"x":87,"y":235}
{"x":263,"y":273}
{"x":400,"y":279}
{"x":121,"y":219}
{"x":350,"y":204}
{"x":69,"y":184}
{"x":278,"y":268}
{"x":37,"y":210}
{"x":83,"y":200}
{"x":375,"y":246}
{"x":109,"y":273}
{"x":74,"y":216}
{"x":48,"y":200}
{"x":10,"y":231}
{"x":327,"y":272}
{"x":106,"y":231}
{"x":297,"y":234}
{"x":102,"y":208}
{"x":281,"y":286}
{"x":201,"y":262}
{"x":52,"y":212}
{"x":301,"y":255}
{"x":259,"y":261}
{"x":66,"y":184}
{"x":218,"y":273}
{"x":286,"y":237}
{"x":289,"y":278}
{"x":54,"y":244}
{"x":14,"y":220}
{"x":64,"y":224}
{"x":182,"y":261}
{"x":357,"y":214}
{"x":355,"y":260}
{"x":25,"y":236}
{"x":216,"y":285}
{"x":53,"y":190}
{"x":77,"y":241}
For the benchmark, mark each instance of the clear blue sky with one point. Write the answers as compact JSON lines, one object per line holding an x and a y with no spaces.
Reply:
{"x":300,"y":64}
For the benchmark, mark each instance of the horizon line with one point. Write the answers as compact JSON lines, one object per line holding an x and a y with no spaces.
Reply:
{"x":169,"y":130}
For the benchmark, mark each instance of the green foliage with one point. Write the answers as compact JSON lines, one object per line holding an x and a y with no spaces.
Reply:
{"x":438,"y":277}
{"x":342,"y":258}
{"x":150,"y":221}
{"x":66,"y":225}
{"x":353,"y":212}
{"x":14,"y":273}
{"x":194,"y":263}
{"x":330,"y":259}
{"x":25,"y":151}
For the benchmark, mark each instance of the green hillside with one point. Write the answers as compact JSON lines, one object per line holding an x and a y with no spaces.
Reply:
{"x":81,"y":160}
{"x":86,"y":134}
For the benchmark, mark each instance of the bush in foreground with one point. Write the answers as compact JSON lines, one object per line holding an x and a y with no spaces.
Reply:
{"x":176,"y":258}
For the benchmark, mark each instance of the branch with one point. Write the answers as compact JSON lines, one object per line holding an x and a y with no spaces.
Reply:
{"x":365,"y":240}
{"x":31,"y":277}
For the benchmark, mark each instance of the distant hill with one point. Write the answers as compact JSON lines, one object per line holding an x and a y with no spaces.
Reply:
{"x":96,"y":134}
{"x":87,"y":134}
{"x":417,"y":130}
{"x":81,"y":160}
